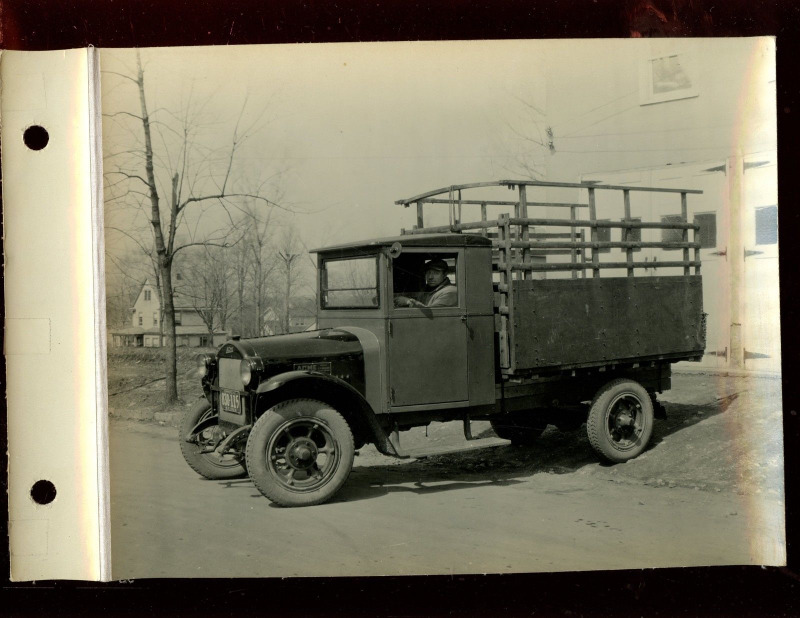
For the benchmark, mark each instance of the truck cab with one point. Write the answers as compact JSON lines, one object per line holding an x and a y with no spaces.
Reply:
{"x":417,"y":358}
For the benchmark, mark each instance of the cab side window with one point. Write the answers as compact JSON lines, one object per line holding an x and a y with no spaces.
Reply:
{"x":425,"y":280}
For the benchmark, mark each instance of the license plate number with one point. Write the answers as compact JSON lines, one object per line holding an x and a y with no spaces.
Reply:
{"x":231,"y":402}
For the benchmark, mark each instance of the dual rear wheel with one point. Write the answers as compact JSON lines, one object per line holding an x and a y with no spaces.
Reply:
{"x":619,"y":424}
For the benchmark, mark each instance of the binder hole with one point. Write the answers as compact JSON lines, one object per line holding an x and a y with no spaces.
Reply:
{"x":36,"y":137}
{"x":43,"y":492}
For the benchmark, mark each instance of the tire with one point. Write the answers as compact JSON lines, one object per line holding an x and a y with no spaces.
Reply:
{"x":620,"y":420}
{"x":285,"y":452}
{"x":509,"y":427}
{"x":209,"y":465}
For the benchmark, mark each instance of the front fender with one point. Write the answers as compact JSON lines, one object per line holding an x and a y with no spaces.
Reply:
{"x":332,"y":390}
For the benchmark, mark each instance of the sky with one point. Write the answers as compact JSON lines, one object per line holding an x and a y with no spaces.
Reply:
{"x":356,"y":127}
{"x":350,"y":128}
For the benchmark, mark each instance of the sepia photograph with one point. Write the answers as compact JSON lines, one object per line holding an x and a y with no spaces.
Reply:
{"x":461,"y":307}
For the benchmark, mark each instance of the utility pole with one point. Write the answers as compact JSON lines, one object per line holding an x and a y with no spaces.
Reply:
{"x":735,"y":173}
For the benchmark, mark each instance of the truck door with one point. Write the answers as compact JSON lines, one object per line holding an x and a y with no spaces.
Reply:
{"x":427,"y":342}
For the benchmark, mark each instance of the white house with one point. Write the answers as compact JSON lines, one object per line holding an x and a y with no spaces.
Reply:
{"x":145,"y":327}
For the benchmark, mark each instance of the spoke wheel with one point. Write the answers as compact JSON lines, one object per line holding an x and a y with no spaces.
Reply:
{"x":210,"y":465}
{"x":620,"y":420}
{"x":300,"y":452}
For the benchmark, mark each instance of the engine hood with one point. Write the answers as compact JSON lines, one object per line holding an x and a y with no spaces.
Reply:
{"x":318,"y":344}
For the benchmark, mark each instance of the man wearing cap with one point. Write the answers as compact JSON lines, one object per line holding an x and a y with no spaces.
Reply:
{"x":439,"y":291}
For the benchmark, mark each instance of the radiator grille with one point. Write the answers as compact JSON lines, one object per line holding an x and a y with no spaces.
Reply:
{"x":229,"y":376}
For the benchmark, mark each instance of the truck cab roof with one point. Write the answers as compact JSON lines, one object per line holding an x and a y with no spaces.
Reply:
{"x":411,"y":240}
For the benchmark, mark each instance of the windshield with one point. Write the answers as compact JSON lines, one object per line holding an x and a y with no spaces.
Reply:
{"x":349,"y":283}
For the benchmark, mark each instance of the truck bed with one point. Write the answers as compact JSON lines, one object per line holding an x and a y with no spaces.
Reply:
{"x":571,"y":323}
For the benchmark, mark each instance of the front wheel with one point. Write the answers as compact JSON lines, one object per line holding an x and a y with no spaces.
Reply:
{"x":208,"y":464}
{"x":300,"y":452}
{"x":620,"y":420}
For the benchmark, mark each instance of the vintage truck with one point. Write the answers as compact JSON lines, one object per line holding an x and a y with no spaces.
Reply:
{"x":532,"y":335}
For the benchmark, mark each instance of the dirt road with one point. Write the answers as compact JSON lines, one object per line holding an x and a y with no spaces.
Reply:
{"x":505,"y":509}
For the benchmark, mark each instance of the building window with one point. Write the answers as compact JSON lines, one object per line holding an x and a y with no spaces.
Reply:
{"x":141,"y":320}
{"x":707,"y":234}
{"x":155,"y":318}
{"x":204,"y":341}
{"x":767,"y":225}
{"x":671,"y":235}
{"x":604,"y":235}
{"x":147,"y":294}
{"x":178,"y":318}
{"x":666,"y":78}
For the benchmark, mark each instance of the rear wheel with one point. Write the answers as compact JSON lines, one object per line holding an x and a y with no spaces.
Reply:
{"x":620,"y":420}
{"x":521,"y":431}
{"x":210,"y":465}
{"x":300,"y":452}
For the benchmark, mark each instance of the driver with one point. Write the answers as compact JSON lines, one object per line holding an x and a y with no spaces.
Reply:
{"x":439,"y":290}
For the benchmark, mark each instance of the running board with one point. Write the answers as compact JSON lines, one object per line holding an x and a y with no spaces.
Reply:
{"x":473,"y":444}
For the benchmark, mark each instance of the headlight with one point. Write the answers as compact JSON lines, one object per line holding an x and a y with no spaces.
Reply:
{"x":204,"y":363}
{"x":248,"y":369}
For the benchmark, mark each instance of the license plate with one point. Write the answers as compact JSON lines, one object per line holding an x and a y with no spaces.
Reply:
{"x":231,"y":402}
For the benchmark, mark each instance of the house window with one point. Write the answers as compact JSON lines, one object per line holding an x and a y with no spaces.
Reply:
{"x":204,"y":341}
{"x":666,"y":78}
{"x":147,"y":294}
{"x":178,"y":277}
{"x":155,"y":318}
{"x":604,"y":235}
{"x":671,"y":235}
{"x":707,"y":234}
{"x":178,"y":318}
{"x":767,"y":225}
{"x":141,"y":320}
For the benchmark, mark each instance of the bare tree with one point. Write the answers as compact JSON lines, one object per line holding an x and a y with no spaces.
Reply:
{"x":290,"y":254}
{"x":531,"y":140}
{"x":207,"y":286}
{"x":261,"y":258}
{"x":169,"y":167}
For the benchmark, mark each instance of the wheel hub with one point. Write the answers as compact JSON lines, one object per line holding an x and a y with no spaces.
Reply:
{"x":301,"y":453}
{"x":624,"y":419}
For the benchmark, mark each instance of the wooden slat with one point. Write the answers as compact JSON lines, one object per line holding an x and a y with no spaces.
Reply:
{"x":519,"y":266}
{"x":685,"y":217}
{"x":523,"y":211}
{"x":573,"y":255}
{"x":537,"y":183}
{"x":593,"y":218}
{"x":506,"y":203}
{"x":613,"y":224}
{"x":626,"y":197}
{"x":603,"y":244}
{"x":442,"y":229}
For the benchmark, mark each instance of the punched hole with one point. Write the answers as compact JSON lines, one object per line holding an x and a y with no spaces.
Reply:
{"x":43,"y":492}
{"x":36,"y":137}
